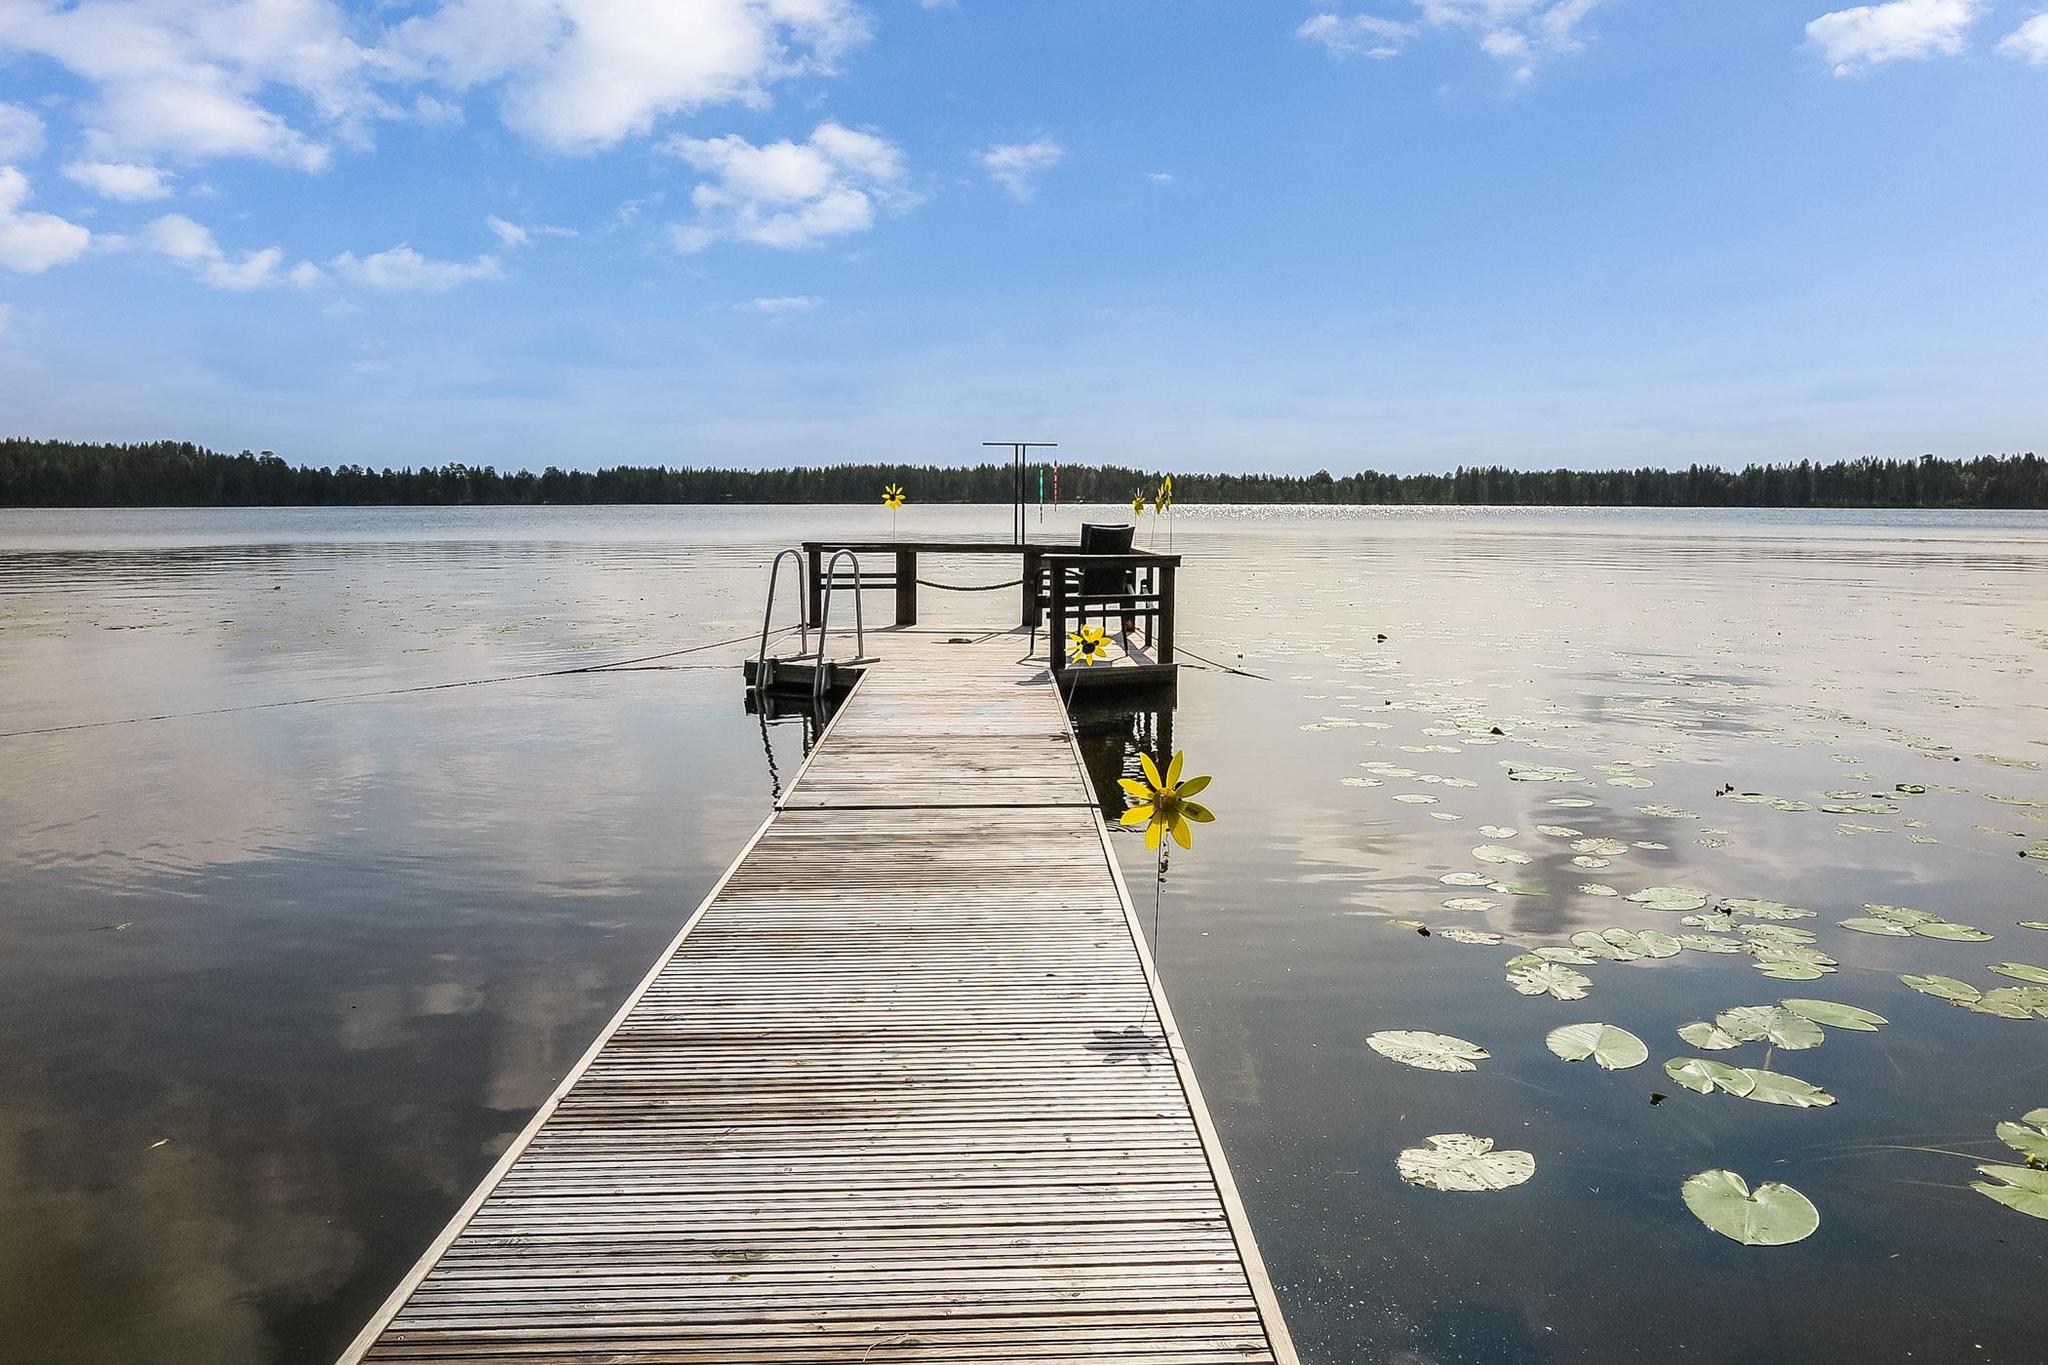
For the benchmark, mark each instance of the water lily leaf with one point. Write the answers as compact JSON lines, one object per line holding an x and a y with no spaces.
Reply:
{"x":1774,"y":1215}
{"x":1468,"y":903}
{"x":1551,"y":953}
{"x":1944,"y":988}
{"x":1774,"y":1024}
{"x":1656,"y":944}
{"x":1710,"y":943}
{"x":1597,"y":889}
{"x":1836,"y":1015}
{"x":1459,"y":935}
{"x":1793,"y":971}
{"x":1632,"y":782}
{"x":2034,"y":924}
{"x":2016,"y":1187}
{"x":1495,"y":853}
{"x":1549,"y":978}
{"x":1465,"y":879}
{"x":2012,"y":1002}
{"x":1752,"y":907}
{"x":1615,"y":1049}
{"x":1771,"y":1087}
{"x":1706,"y":1037}
{"x":1590,"y":863}
{"x":2021,"y":971}
{"x":2028,"y":1137}
{"x":1558,"y":831}
{"x":1415,"y":799}
{"x":1870,"y":924}
{"x":1499,"y":831}
{"x":1460,"y":1161}
{"x":1570,"y":802}
{"x":1671,"y":898}
{"x":1593,"y":942}
{"x":1519,"y":888}
{"x":1427,"y":1051}
{"x":1956,"y":933}
{"x":1605,"y":848}
{"x":1774,"y":933}
{"x":1703,"y":1075}
{"x":1901,"y":914}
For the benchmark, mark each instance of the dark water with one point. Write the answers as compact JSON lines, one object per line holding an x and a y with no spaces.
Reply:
{"x":277,"y":982}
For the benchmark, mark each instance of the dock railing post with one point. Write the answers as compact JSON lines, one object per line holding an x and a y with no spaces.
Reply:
{"x":1056,"y":634}
{"x":906,"y":587}
{"x":1166,"y":613}
{"x":1032,"y":569}
{"x":814,"y":582}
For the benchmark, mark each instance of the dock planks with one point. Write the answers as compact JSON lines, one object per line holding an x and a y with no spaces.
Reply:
{"x":904,"y":1089}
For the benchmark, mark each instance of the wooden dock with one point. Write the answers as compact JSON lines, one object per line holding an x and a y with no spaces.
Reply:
{"x":904,"y":1088}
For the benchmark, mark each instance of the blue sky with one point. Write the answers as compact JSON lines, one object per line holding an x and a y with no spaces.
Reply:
{"x":1265,"y":235}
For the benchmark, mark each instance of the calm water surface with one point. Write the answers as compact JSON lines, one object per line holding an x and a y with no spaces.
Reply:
{"x":282,"y":971}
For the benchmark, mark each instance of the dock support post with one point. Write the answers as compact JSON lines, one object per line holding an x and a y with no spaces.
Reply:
{"x":1032,"y":569}
{"x":814,"y":583}
{"x":1165,"y":613}
{"x":906,"y":587}
{"x":1056,"y":633}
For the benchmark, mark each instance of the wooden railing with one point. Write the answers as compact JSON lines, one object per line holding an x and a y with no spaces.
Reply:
{"x":901,"y":575}
{"x":1127,"y":590}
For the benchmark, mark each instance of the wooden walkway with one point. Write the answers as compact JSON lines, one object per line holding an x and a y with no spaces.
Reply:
{"x":904,"y":1089}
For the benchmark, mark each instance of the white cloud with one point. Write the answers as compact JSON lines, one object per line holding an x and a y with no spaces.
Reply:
{"x":1016,"y":165}
{"x":285,"y":80}
{"x":1356,"y":35}
{"x":2028,"y":42}
{"x":584,"y":74}
{"x":1853,"y":40}
{"x":786,"y":303}
{"x":21,"y":133}
{"x":402,"y":268}
{"x":1160,"y":177}
{"x":120,"y":179}
{"x":511,"y":234}
{"x":32,"y":242}
{"x":192,"y":245}
{"x":789,"y":194}
{"x":1517,"y":33}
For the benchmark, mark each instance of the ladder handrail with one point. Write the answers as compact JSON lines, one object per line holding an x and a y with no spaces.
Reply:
{"x":768,"y":616}
{"x":860,"y":630}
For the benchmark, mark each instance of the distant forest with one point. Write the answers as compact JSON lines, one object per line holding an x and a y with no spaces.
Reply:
{"x":176,"y":473}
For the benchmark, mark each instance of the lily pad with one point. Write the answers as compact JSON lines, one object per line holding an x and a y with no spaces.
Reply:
{"x":1773,"y":1024}
{"x":2016,"y":1187}
{"x":1772,"y":1087}
{"x":1499,"y":831}
{"x":1902,"y":914}
{"x":1710,"y":943}
{"x":1519,"y":888}
{"x":1944,"y":988}
{"x":1548,"y":978}
{"x":2012,"y":1002}
{"x":1468,"y":903}
{"x":1754,"y":907}
{"x":1954,"y":933}
{"x":1496,"y":853}
{"x":1704,"y":1076}
{"x":2028,"y":1137}
{"x":1835,"y":1015}
{"x":1706,"y":1037}
{"x":1461,"y":935}
{"x":1605,"y":848}
{"x":1460,"y":1161}
{"x":1465,"y":879}
{"x":1597,"y":889}
{"x":1675,"y":899}
{"x":1773,"y":1215}
{"x":1427,"y":1051}
{"x":1870,"y":924}
{"x":1615,"y":1049}
{"x":2022,"y":971}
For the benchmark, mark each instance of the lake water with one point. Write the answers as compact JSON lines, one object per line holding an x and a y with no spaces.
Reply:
{"x":294,"y":936}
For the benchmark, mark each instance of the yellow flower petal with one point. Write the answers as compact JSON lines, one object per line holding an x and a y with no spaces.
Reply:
{"x":1152,"y":833}
{"x":1197,"y":812}
{"x":1181,"y":835}
{"x":1138,"y":790}
{"x":1137,"y":815}
{"x":1193,"y":785}
{"x":1151,"y":771}
{"x":1173,"y":770}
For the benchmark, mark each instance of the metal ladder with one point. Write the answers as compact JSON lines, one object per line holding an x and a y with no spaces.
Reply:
{"x":764,"y":667}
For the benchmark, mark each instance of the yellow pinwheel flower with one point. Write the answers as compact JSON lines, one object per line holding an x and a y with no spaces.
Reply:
{"x":1088,"y":646}
{"x":1161,"y":805}
{"x":1138,"y":504}
{"x":892,"y":497}
{"x":1163,"y":499}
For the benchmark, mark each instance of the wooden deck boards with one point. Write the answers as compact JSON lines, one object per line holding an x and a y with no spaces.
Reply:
{"x":904,"y":1089}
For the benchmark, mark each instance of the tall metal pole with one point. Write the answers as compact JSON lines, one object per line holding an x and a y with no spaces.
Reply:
{"x":1017,"y":449}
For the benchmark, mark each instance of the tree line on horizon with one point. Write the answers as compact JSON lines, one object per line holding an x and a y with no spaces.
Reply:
{"x":39,"y":473}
